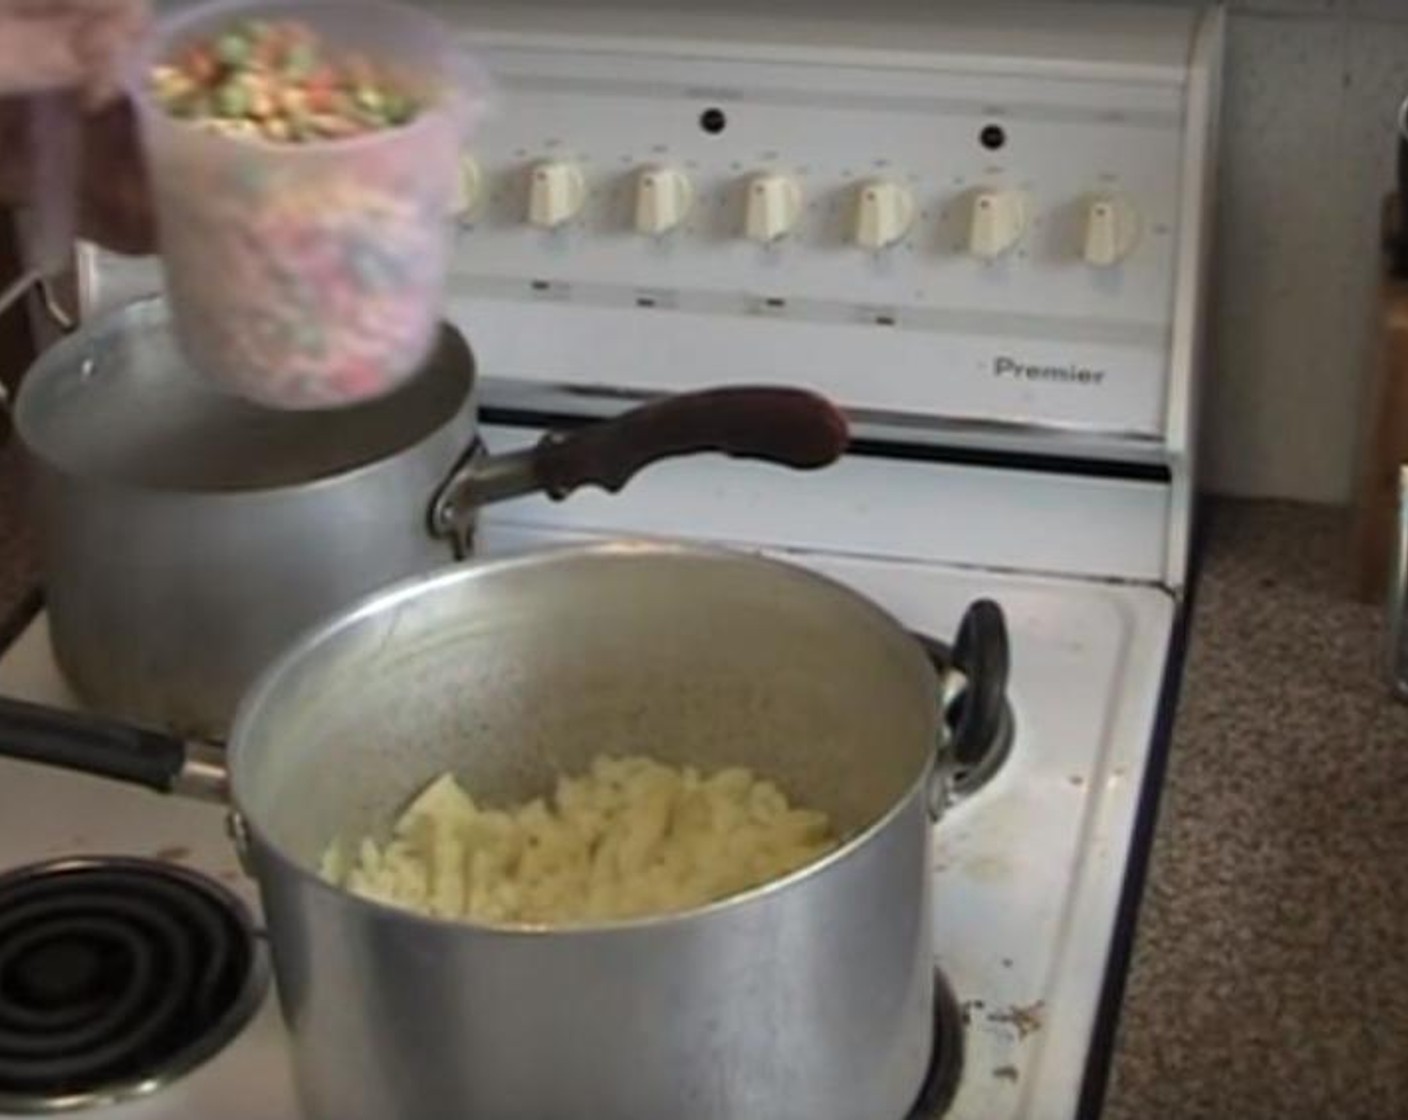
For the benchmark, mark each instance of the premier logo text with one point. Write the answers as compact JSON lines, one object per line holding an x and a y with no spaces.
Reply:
{"x":1072,"y":374}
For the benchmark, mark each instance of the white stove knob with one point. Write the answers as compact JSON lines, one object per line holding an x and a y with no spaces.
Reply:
{"x":556,"y":192}
{"x":663,"y":198}
{"x":998,"y":221}
{"x":884,"y":212}
{"x":467,"y":186}
{"x":774,"y":205}
{"x":1111,"y":229}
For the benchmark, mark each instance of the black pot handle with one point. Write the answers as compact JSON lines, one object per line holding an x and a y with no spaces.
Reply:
{"x":777,"y":424}
{"x":90,"y":744}
{"x":981,"y":653}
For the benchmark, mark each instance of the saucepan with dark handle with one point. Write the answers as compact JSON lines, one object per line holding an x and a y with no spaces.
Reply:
{"x":187,"y":536}
{"x":809,"y":997}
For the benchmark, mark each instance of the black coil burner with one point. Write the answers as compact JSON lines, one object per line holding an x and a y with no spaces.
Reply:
{"x":116,"y":977}
{"x":946,"y":1065}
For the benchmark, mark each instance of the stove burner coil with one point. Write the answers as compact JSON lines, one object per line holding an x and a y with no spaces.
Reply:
{"x":116,"y":977}
{"x":946,"y":1065}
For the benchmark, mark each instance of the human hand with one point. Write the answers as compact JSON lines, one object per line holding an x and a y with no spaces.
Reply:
{"x":48,"y":45}
{"x":76,"y":46}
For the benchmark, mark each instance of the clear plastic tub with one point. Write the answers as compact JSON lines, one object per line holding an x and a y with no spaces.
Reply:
{"x":311,"y":275}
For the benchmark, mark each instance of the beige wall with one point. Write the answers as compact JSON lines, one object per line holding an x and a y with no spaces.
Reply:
{"x":1312,"y":90}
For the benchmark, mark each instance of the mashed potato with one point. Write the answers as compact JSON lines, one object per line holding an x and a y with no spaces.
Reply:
{"x":632,"y":837}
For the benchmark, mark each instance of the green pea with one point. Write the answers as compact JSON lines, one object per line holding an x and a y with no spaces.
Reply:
{"x":375,"y":118}
{"x":300,"y":61}
{"x":232,"y":49}
{"x":233,"y":99}
{"x":398,"y":108}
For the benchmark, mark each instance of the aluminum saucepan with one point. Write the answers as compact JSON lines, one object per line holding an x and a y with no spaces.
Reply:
{"x":186,"y":535}
{"x":807,"y":998}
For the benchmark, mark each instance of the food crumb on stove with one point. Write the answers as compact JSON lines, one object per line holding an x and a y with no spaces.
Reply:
{"x":175,"y":854}
{"x":1005,"y":1073}
{"x":1076,"y":780}
{"x":1006,"y":962}
{"x":1024,"y":1020}
{"x":967,"y":1007}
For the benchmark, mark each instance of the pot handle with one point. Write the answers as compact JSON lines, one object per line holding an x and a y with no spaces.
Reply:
{"x":106,"y":749}
{"x":789,"y":426}
{"x":982,"y":654}
{"x":976,"y":724}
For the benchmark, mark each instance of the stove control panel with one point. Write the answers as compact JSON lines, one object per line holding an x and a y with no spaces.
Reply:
{"x":988,"y":214}
{"x":923,"y":233}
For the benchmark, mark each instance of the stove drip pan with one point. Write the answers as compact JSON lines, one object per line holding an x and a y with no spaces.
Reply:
{"x":946,"y":1065}
{"x":117,"y":976}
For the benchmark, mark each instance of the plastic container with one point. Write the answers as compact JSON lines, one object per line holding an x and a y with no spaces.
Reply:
{"x":311,"y":275}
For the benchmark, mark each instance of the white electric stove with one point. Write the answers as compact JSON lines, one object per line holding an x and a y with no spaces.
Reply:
{"x":983,"y":230}
{"x":1031,"y":865}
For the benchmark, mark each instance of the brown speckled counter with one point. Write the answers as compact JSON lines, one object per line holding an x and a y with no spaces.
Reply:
{"x":1270,"y":975}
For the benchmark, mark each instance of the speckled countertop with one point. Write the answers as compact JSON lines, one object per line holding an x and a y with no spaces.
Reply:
{"x":1270,"y":972}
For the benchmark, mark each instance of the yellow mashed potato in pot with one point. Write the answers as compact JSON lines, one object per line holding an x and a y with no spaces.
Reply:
{"x":631,"y":838}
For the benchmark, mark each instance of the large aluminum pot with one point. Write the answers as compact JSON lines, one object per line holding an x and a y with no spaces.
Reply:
{"x":808,"y":998}
{"x":187,"y":536}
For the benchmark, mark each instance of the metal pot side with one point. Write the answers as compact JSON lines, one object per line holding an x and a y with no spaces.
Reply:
{"x":809,"y":997}
{"x":186,"y":536}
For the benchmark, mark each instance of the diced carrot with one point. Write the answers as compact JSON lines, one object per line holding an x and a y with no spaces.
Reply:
{"x":201,"y":64}
{"x":319,"y":98}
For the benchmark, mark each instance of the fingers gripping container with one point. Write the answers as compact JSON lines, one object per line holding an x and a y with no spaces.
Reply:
{"x":312,"y":275}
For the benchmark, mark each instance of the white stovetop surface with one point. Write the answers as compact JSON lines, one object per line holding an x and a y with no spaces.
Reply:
{"x":1029,"y":869}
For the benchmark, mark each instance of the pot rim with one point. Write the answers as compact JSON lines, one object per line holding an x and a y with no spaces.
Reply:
{"x":255,"y":699}
{"x":154,"y":310}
